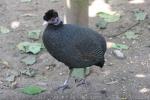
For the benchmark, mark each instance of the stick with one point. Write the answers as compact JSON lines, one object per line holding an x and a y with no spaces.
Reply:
{"x":115,"y":35}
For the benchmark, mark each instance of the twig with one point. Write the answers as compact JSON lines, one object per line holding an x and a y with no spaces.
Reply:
{"x":115,"y":35}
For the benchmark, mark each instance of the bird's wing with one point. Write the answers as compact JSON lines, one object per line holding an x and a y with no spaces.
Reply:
{"x":89,"y":50}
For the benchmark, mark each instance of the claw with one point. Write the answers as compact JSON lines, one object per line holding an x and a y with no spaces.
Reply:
{"x":63,"y":87}
{"x":83,"y":82}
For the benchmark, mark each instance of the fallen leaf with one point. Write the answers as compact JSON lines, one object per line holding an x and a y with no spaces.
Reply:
{"x":43,"y":47}
{"x":32,"y":90}
{"x":34,"y":48}
{"x":101,"y":24}
{"x":131,"y":35}
{"x":5,"y":63}
{"x":30,"y":47}
{"x":23,"y":46}
{"x":26,"y":0}
{"x":54,"y":0}
{"x":34,"y":34}
{"x":109,"y":17}
{"x":108,"y":1}
{"x":80,"y":72}
{"x":4,"y":30}
{"x":119,"y":46}
{"x":140,"y":15}
{"x":124,"y":98}
{"x":29,"y":60}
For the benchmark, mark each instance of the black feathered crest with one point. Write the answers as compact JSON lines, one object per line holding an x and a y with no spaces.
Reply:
{"x":50,"y":14}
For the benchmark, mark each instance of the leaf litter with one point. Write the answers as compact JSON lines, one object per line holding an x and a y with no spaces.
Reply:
{"x":109,"y":17}
{"x":29,"y":60}
{"x":32,"y":90}
{"x":28,"y":47}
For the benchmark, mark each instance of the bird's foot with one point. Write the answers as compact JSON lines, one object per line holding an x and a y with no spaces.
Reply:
{"x":63,"y":87}
{"x":82,"y":82}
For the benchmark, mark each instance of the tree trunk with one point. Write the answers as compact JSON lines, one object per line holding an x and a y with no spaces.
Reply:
{"x":76,"y":12}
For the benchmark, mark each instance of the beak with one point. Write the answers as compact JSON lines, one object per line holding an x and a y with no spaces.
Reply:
{"x":45,"y":23}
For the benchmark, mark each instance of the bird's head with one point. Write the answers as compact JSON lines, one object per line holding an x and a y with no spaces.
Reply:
{"x":51,"y":17}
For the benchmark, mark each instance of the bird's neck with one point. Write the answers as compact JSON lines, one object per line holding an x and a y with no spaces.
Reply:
{"x":55,"y":21}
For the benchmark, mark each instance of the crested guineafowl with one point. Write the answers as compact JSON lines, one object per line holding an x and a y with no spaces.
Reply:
{"x":75,"y":46}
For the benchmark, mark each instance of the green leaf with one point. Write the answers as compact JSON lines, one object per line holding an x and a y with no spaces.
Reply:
{"x":140,"y":15}
{"x":34,"y":48}
{"x":119,"y":46}
{"x":101,"y":24}
{"x":108,"y":1}
{"x":109,"y":17}
{"x":131,"y":35}
{"x":32,"y":90}
{"x":23,"y":46}
{"x":54,"y":0}
{"x":4,"y":30}
{"x":43,"y":47}
{"x":79,"y":72}
{"x":29,"y":60}
{"x":30,"y":47}
{"x":34,"y":34}
{"x":26,"y":0}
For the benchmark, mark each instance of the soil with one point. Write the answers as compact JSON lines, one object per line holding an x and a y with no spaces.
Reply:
{"x":120,"y":79}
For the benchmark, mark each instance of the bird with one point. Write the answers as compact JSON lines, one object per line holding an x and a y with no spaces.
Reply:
{"x":76,"y":46}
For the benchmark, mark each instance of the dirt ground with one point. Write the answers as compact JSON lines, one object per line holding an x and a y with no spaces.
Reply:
{"x":121,"y":79}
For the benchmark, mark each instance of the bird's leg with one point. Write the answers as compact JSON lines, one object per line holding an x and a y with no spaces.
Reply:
{"x":66,"y":83}
{"x":82,"y":81}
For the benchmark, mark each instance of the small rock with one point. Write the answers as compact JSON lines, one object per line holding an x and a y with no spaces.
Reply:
{"x":140,"y":75}
{"x":16,"y":73}
{"x":29,"y":72}
{"x":50,"y":67}
{"x":10,"y":78}
{"x":131,"y":71}
{"x":124,"y":78}
{"x":103,"y":91}
{"x":119,"y":54}
{"x":14,"y":85}
{"x":53,"y":65}
{"x":60,"y":74}
{"x":1,"y":82}
{"x":144,"y":90}
{"x":112,"y":82}
{"x":4,"y":64}
{"x":42,"y":84}
{"x":15,"y":24}
{"x":28,"y":15}
{"x":123,"y":42}
{"x":1,"y":92}
{"x":47,"y":67}
{"x":131,"y":62}
{"x":110,"y":64}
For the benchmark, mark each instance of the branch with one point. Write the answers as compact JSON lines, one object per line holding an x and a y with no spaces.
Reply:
{"x":115,"y":35}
